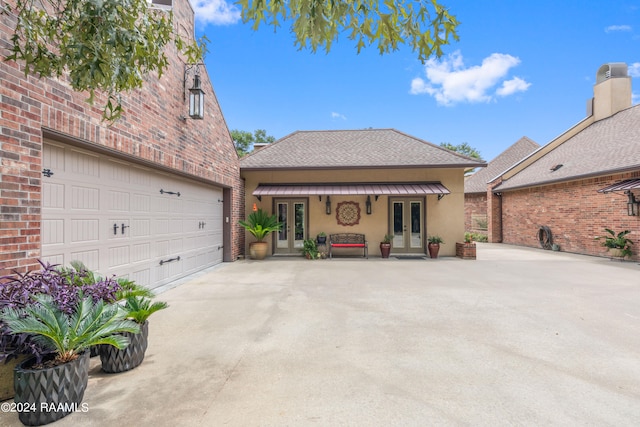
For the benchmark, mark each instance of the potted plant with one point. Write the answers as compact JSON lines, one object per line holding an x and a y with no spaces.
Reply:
{"x":466,"y":249}
{"x":433,"y":245}
{"x":138,"y":309}
{"x":310,"y":249}
{"x":618,"y":245}
{"x":385,"y":245}
{"x":63,"y":285}
{"x":321,"y":238}
{"x":54,"y":388}
{"x":260,"y":225}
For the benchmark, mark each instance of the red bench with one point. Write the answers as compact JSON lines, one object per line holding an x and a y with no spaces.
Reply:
{"x":347,"y":240}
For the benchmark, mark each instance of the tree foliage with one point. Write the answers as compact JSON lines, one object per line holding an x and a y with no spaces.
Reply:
{"x":463,"y":148}
{"x":425,"y":25}
{"x":243,"y":140}
{"x":109,"y":46}
{"x":103,"y":45}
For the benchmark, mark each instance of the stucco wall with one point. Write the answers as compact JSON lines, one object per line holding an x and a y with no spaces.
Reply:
{"x":574,"y":211}
{"x":444,"y":217}
{"x":151,"y":130}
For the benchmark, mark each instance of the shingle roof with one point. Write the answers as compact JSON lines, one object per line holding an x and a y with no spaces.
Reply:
{"x":368,"y":148}
{"x":477,"y":183}
{"x":606,"y":146}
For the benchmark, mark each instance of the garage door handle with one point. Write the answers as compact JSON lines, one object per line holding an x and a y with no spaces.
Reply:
{"x":123,"y":227}
{"x":165,"y":261}
{"x":115,"y":229}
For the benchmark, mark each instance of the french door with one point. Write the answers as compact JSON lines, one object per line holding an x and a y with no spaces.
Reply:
{"x":292,"y":213}
{"x":407,"y":224}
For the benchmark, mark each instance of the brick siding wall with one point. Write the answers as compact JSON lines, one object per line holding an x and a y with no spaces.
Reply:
{"x":574,"y":211}
{"x":150,"y":130}
{"x":475,"y":209}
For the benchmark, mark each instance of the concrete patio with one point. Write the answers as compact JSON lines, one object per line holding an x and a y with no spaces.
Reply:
{"x":518,"y":337}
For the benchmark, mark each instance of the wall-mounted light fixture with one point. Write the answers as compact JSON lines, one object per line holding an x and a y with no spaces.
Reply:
{"x":196,"y":94}
{"x":368,"y":205}
{"x":328,"y":206}
{"x":633,"y":205}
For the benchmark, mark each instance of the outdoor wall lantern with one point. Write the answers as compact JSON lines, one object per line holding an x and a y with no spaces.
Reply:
{"x":633,"y":205}
{"x":368,"y":205}
{"x":196,"y":94}
{"x":328,"y":206}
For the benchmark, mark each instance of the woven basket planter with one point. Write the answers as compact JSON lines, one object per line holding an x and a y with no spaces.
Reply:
{"x":114,"y":360}
{"x":51,"y":393}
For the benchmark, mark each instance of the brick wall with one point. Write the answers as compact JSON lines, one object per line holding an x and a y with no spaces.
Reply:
{"x":574,"y":211}
{"x":151,"y":130}
{"x":475,"y":209}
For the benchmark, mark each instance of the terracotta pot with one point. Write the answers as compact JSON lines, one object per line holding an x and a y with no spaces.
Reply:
{"x":258,"y":250}
{"x":434,"y":248}
{"x":385,"y":249}
{"x":6,"y":376}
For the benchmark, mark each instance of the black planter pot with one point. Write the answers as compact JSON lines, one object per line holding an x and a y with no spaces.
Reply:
{"x":114,"y":360}
{"x":51,"y":393}
{"x":321,"y":240}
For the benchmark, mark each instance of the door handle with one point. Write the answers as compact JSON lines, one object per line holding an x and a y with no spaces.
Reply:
{"x":123,"y":227}
{"x":115,"y":229}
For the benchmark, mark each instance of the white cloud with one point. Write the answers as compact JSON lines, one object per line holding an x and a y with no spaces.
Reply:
{"x":449,"y":82}
{"x":512,"y":86}
{"x":612,"y":28}
{"x":216,"y":12}
{"x":335,"y":115}
{"x":634,"y":69}
{"x":635,"y":98}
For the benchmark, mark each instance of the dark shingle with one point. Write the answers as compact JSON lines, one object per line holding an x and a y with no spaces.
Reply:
{"x":369,"y":148}
{"x":606,"y":146}
{"x":477,"y":183}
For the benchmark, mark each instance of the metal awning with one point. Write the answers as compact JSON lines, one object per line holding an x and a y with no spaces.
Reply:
{"x":629,"y":184}
{"x":391,"y":189}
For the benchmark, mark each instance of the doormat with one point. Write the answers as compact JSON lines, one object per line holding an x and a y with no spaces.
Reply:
{"x":409,"y":257}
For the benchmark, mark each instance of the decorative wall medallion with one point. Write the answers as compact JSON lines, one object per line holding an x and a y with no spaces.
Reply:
{"x":348,"y":213}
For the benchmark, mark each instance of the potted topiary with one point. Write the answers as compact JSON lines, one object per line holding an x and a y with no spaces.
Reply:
{"x":618,"y":245}
{"x":433,"y":245}
{"x":54,"y":388}
{"x":260,"y":225}
{"x":138,"y":309}
{"x":385,"y":245}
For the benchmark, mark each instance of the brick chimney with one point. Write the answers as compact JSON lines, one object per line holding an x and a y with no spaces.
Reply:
{"x":612,"y":91}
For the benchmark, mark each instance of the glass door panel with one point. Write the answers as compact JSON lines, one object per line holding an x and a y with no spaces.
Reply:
{"x":283,"y":217}
{"x":416,"y":225}
{"x":299,"y":225}
{"x":398,"y":225}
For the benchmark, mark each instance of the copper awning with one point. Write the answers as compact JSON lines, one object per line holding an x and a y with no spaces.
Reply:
{"x":391,"y":189}
{"x":629,"y":184}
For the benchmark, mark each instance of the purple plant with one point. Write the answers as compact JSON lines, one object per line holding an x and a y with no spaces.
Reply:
{"x":64,"y":285}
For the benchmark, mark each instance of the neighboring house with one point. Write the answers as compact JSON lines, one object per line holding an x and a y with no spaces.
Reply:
{"x":475,"y":186}
{"x":374,"y":182}
{"x":576,"y":184}
{"x":155,"y":196}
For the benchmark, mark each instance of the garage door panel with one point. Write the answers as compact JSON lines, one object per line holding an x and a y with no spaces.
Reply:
{"x":90,"y":258}
{"x":85,"y":209}
{"x":85,"y":198}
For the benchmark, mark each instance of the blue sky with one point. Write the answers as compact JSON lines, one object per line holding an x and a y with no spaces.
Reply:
{"x":519,"y":69}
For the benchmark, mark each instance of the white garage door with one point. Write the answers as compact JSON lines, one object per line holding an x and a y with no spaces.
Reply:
{"x":124,"y":219}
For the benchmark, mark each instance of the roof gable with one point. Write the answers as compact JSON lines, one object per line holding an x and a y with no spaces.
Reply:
{"x":368,"y":148}
{"x":606,"y":146}
{"x":477,"y":183}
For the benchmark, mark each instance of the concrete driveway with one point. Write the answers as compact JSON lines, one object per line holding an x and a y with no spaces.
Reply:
{"x":518,"y":337}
